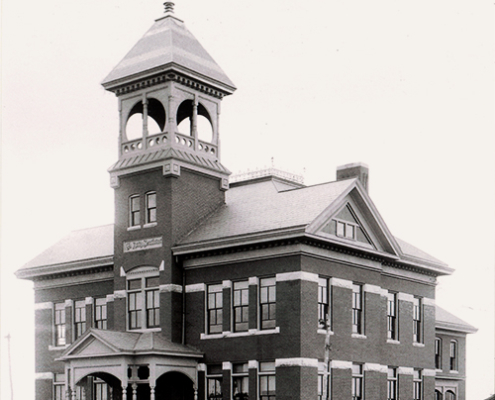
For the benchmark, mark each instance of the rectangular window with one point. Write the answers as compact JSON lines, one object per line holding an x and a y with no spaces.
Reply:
{"x":321,"y":380}
{"x":59,"y":392}
{"x":135,"y":211}
{"x":453,"y":355}
{"x":60,"y":324}
{"x":324,"y":304}
{"x":134,"y":303}
{"x":79,"y":318}
{"x":418,"y":387}
{"x":101,"y":313}
{"x":357,"y":309}
{"x":150,"y":207}
{"x":100,"y":390}
{"x":214,"y":382}
{"x":357,"y":382}
{"x":268,"y":306}
{"x":345,"y":230}
{"x":438,"y":353}
{"x":240,"y":305}
{"x":240,"y":381}
{"x":267,"y":381}
{"x":392,"y":316}
{"x":392,"y":384}
{"x":152,"y":308}
{"x":417,"y":318}
{"x":215,"y":308}
{"x":324,"y":380}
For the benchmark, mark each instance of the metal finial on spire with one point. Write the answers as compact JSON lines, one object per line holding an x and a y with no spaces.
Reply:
{"x":169,"y":7}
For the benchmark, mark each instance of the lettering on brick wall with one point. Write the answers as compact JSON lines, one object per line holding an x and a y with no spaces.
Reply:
{"x":143,"y":244}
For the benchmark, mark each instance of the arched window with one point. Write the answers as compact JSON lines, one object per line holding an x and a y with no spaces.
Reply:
{"x":449,"y":395}
{"x":438,"y":395}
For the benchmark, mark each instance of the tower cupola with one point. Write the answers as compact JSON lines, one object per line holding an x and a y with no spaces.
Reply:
{"x":169,"y":90}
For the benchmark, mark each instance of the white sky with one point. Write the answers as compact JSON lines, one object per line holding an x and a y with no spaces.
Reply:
{"x":404,"y":86}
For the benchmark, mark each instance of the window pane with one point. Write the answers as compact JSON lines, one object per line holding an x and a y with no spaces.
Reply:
{"x":134,"y":284}
{"x":153,"y":282}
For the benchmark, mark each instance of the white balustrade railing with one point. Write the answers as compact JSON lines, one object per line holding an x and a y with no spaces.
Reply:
{"x":163,"y":140}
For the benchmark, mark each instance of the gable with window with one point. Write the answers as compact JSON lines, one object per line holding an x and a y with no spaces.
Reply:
{"x":345,"y":224}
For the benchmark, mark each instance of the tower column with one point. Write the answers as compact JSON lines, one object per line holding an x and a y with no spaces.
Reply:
{"x":194,"y":122}
{"x":145,"y":122}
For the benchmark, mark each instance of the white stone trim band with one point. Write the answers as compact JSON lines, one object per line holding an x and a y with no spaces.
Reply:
{"x":343,"y":283}
{"x":69,"y":303}
{"x":296,"y":362}
{"x":43,"y":375}
{"x":297,"y":276}
{"x":226,"y":284}
{"x":429,"y":372}
{"x":201,"y":367}
{"x":254,"y":280}
{"x":252,"y":364}
{"x":89,"y":300}
{"x":337,"y":364}
{"x":375,"y":367}
{"x":405,"y":297}
{"x":170,"y":287}
{"x":110,"y":297}
{"x":227,"y":365}
{"x":428,"y":302}
{"x":196,"y":287}
{"x":43,"y":306}
{"x":372,"y":289}
{"x":405,"y":371}
{"x":119,"y":294}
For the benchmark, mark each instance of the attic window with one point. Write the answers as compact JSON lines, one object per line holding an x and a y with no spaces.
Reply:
{"x":345,"y":229}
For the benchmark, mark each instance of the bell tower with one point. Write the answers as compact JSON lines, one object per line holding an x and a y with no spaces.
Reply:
{"x":168,"y":176}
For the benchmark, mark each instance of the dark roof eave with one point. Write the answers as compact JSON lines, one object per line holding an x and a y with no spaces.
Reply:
{"x":455,"y":327}
{"x":71,"y":266}
{"x":169,"y":67}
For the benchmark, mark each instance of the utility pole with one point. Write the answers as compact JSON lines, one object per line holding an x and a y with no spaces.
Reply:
{"x":326,"y":382}
{"x":10,"y":367}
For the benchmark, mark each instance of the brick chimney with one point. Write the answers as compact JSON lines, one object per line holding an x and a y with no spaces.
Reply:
{"x":354,"y":170}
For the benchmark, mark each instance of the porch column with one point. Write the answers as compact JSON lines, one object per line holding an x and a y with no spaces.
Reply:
{"x":152,"y":393}
{"x":134,"y":391}
{"x":74,"y":395}
{"x":124,"y":392}
{"x":195,"y":394}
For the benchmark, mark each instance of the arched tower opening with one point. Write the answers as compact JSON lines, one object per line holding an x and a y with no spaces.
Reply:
{"x":185,"y":121}
{"x":145,"y":118}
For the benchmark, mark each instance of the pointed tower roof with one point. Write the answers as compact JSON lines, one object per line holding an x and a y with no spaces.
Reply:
{"x":168,"y":46}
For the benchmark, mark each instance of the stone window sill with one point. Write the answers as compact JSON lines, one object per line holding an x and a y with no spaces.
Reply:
{"x":358,"y":336}
{"x":228,"y":334}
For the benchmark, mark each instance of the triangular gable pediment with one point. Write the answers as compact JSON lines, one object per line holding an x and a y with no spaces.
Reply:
{"x":90,"y":345}
{"x":353,"y":220}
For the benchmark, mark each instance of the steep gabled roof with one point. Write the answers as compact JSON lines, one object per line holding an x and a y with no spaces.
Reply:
{"x":446,"y":320}
{"x":168,"y":45}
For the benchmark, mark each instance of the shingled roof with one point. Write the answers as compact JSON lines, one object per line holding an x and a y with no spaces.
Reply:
{"x":446,"y":320}
{"x":168,"y":45}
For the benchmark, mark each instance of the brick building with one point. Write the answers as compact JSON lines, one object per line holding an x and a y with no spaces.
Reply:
{"x":206,"y":288}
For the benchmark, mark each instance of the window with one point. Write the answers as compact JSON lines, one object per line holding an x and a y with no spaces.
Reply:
{"x":357,"y":309}
{"x":267,"y":381}
{"x":143,"y":293}
{"x":59,"y":387}
{"x":438,"y":395}
{"x":152,"y":303}
{"x":417,"y":317}
{"x":134,"y":211}
{"x":392,"y":383}
{"x":346,"y":230}
{"x":215,"y":308}
{"x":449,"y":395}
{"x":240,"y":381}
{"x":392,"y":316}
{"x":417,"y":382}
{"x":321,"y":380}
{"x":101,"y":313}
{"x":357,"y":382}
{"x":214,"y":382}
{"x":324,"y":307}
{"x":60,"y":324}
{"x":324,"y":388}
{"x":150,"y":207}
{"x":241,"y":306}
{"x":438,"y":353}
{"x":79,"y":318}
{"x":268,"y":306}
{"x":453,"y":355}
{"x":101,"y":390}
